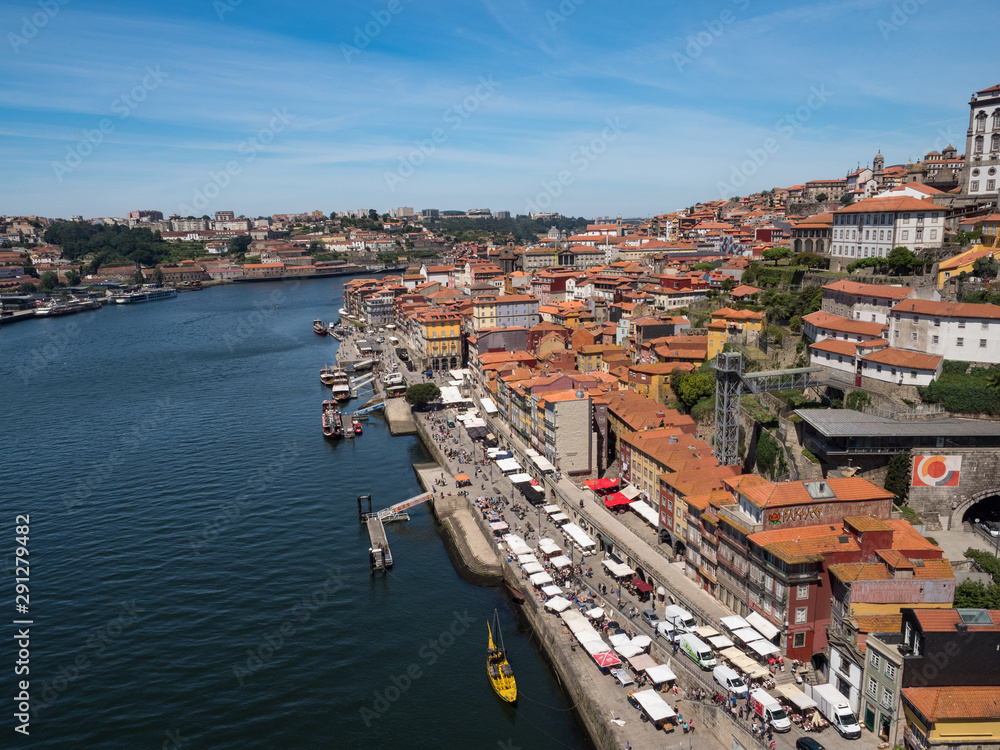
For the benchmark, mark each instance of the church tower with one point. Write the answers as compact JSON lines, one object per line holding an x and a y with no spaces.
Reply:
{"x":878,"y":167}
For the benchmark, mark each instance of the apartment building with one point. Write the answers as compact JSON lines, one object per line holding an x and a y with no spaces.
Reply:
{"x":965,"y":332}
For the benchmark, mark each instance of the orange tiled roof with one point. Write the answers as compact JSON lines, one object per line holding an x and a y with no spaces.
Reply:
{"x":902,"y":358}
{"x":955,"y":702}
{"x":945,"y":620}
{"x":767,"y":494}
{"x":948,"y":309}
{"x":869,"y":290}
{"x":822,"y":319}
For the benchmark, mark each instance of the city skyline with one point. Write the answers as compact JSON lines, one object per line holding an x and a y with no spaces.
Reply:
{"x":561,"y":107}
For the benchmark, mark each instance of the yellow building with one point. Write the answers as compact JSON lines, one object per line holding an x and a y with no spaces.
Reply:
{"x":438,"y":338}
{"x":956,"y":265}
{"x":727,"y":321}
{"x":653,"y":380}
{"x":957,"y":718}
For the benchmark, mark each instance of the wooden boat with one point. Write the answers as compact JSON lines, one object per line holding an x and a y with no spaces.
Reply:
{"x":326,"y":375}
{"x":333,"y":425}
{"x":356,"y":425}
{"x":500,"y":673}
{"x":318,"y":327}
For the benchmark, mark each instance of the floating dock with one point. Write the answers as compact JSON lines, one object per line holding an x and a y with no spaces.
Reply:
{"x":379,"y":554}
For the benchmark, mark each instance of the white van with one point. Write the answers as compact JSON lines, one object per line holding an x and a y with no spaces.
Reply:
{"x":679,"y":617}
{"x":768,"y":709}
{"x":697,"y":650}
{"x":730,"y":681}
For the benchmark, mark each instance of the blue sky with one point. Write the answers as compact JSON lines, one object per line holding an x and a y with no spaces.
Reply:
{"x":584,"y":107}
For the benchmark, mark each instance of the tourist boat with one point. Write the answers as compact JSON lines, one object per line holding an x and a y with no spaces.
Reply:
{"x":326,"y":375}
{"x":333,"y":423}
{"x":54,"y":309}
{"x":146,"y":294}
{"x":356,"y":425}
{"x":499,"y":671}
{"x":318,"y":327}
{"x":340,"y":385}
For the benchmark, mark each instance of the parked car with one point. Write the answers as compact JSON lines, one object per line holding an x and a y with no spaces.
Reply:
{"x":807,"y":743}
{"x":649,"y":617}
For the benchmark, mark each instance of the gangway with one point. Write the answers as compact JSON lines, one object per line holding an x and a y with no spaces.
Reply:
{"x":369,"y":409}
{"x":358,"y":382}
{"x":379,"y":555}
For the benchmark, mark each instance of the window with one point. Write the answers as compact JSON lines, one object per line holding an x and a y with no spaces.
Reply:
{"x":913,"y":336}
{"x":873,"y":687}
{"x":991,"y":184}
{"x":959,"y":342}
{"x":890,"y":670}
{"x":974,"y":186}
{"x":886,"y":697}
{"x":982,"y":343}
{"x":933,"y":234}
{"x":799,"y":640}
{"x":874,"y":659}
{"x":895,"y":334}
{"x":934,"y":339}
{"x":937,"y":322}
{"x":904,"y":235}
{"x":994,"y":143}
{"x":980,"y":122}
{"x":979,"y":144}
{"x":801,"y":614}
{"x":802,"y":591}
{"x":961,"y":324}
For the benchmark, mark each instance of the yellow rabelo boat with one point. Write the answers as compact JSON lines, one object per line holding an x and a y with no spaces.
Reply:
{"x":500,"y":673}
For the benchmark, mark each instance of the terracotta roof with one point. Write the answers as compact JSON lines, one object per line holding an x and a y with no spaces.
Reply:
{"x":870,"y":290}
{"x":955,"y":702}
{"x":966,"y":258}
{"x":945,"y":620}
{"x":901,"y":358}
{"x":847,"y":348}
{"x":821,"y":319}
{"x":879,"y":623}
{"x":730,"y":314}
{"x":850,"y":572}
{"x":767,"y":494}
{"x":890,"y":203}
{"x":861,"y":524}
{"x":947,"y":309}
{"x":805,"y":543}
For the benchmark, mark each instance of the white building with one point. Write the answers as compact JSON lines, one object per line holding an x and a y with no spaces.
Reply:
{"x":959,"y":331}
{"x":901,"y":367}
{"x":867,"y":302}
{"x":823,"y":325}
{"x":982,"y":150}
{"x":873,"y":227}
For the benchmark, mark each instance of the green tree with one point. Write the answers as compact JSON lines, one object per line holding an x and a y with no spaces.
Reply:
{"x":692,"y":387}
{"x":846,"y":199}
{"x":767,"y":454}
{"x":158,"y":275}
{"x":776,"y":254}
{"x":986,"y":267}
{"x":702,"y":267}
{"x":821,"y":197}
{"x":239,"y":245}
{"x":728,"y":284}
{"x":857,"y":400}
{"x":72,"y":277}
{"x":48,"y":281}
{"x":422,"y":393}
{"x":137,"y":277}
{"x":901,"y":259}
{"x":26,"y":287}
{"x":810,"y":260}
{"x":897,"y":476}
{"x":373,"y":215}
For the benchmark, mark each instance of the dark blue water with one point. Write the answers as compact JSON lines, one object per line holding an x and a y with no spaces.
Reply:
{"x":199,"y":577}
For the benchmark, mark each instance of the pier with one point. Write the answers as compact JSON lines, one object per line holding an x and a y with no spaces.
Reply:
{"x":379,"y":554}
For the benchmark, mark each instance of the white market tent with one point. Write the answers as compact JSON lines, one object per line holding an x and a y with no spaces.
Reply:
{"x":580,"y":539}
{"x":719,"y":642}
{"x":594,"y":647}
{"x":526,"y":558}
{"x":561,"y":561}
{"x":631,"y":492}
{"x":550,"y":509}
{"x":595,"y":614}
{"x":540,"y":579}
{"x":509,"y":465}
{"x":516,"y":544}
{"x":574,"y":620}
{"x":655,"y":707}
{"x":617,"y":569}
{"x":763,"y":647}
{"x":705,"y":631}
{"x":559,"y":518}
{"x":587,"y":634}
{"x":551,"y":590}
{"x":450,"y":396}
{"x":619,"y":639}
{"x":642,"y":641}
{"x":558,"y":604}
{"x":660,"y":674}
{"x":732,"y":654}
{"x":499,"y":526}
{"x":648,"y":515}
{"x":797,"y":697}
{"x":628,"y":650}
{"x":532,"y":568}
{"x":543,"y":464}
{"x":459,"y":374}
{"x":747,"y":635}
{"x":734,"y":622}
{"x":489,"y":407}
{"x":519,"y":478}
{"x":762,"y":626}
{"x":548,"y":547}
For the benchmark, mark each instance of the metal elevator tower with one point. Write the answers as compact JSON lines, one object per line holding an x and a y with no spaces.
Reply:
{"x":730,"y":383}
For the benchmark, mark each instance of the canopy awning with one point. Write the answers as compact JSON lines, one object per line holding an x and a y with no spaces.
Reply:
{"x":655,"y":707}
{"x":499,"y":526}
{"x":641,"y":585}
{"x":639,"y":662}
{"x":595,"y":614}
{"x":617,"y":569}
{"x":508,"y":465}
{"x":631,"y":492}
{"x":606,"y":659}
{"x":516,"y":544}
{"x":548,"y":547}
{"x":527,"y":557}
{"x":550,"y":509}
{"x":647,"y":514}
{"x":561,"y":561}
{"x":732,"y":653}
{"x":543,"y":463}
{"x":616,"y":499}
{"x":705,"y":631}
{"x":575,"y":533}
{"x":558,"y":518}
{"x":488,"y":406}
{"x":762,"y":626}
{"x":532,"y":568}
{"x":628,"y":650}
{"x":540,"y":579}
{"x":734,"y":622}
{"x":558,"y":604}
{"x":477,"y":432}
{"x":747,"y":635}
{"x":551,"y":590}
{"x":763,"y":647}
{"x":796,"y":697}
{"x":659,"y":674}
{"x":720,"y":642}
{"x":619,"y":639}
{"x":519,"y":478}
{"x":590,"y":638}
{"x":604,"y":483}
{"x":642,"y":641}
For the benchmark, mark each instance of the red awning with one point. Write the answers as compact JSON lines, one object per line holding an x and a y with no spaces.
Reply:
{"x":613,"y":501}
{"x":606,"y":659}
{"x":605,"y":483}
{"x":641,"y":585}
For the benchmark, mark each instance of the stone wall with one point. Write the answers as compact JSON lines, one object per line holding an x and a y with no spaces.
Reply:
{"x":945,"y":506}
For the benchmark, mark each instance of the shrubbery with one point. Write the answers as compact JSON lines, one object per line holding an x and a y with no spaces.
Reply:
{"x":959,"y":391}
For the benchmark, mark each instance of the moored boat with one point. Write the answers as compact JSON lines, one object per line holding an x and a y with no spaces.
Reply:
{"x":326,"y":375}
{"x":340,"y":385}
{"x":498,"y":668}
{"x":356,"y":425}
{"x":333,"y":424}
{"x":319,"y":327}
{"x":146,"y":294}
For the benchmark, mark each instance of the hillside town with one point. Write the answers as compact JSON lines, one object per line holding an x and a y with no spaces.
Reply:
{"x":787,"y":395}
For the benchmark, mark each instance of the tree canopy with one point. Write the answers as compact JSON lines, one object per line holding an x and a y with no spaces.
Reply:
{"x":776,"y":254}
{"x":422,"y":393}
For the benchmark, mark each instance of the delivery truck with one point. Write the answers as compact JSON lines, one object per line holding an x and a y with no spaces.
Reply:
{"x":697,"y":650}
{"x":680,"y":618}
{"x":767,"y":709}
{"x":834,"y":707}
